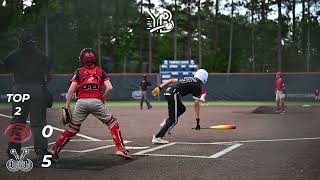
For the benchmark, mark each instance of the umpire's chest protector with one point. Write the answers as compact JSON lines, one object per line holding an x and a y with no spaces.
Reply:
{"x":90,"y":84}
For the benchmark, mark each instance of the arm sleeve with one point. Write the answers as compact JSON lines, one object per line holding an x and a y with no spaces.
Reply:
{"x":197,"y":92}
{"x":75,"y":77}
{"x":104,"y":76}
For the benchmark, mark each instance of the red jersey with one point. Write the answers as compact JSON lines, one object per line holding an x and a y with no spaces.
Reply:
{"x":203,"y":91}
{"x":279,"y":84}
{"x":90,"y":82}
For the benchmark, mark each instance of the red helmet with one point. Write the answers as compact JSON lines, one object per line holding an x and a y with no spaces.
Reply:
{"x":88,"y":57}
{"x":280,"y":74}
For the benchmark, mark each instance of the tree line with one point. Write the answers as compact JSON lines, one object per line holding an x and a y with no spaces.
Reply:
{"x":221,"y":35}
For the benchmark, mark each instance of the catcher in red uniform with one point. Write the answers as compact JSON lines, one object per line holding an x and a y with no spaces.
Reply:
{"x":88,"y":82}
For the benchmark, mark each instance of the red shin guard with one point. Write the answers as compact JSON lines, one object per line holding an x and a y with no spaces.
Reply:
{"x":65,"y":137}
{"x":117,"y":139}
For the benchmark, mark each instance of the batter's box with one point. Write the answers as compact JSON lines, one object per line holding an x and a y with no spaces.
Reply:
{"x":198,"y":150}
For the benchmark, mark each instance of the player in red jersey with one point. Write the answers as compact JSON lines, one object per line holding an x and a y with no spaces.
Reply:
{"x":280,"y":92}
{"x":88,"y":82}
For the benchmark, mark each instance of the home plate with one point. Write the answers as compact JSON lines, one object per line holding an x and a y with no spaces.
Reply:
{"x":306,"y":105}
{"x":131,"y":147}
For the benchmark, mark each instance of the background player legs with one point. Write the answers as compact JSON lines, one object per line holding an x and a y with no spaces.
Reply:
{"x":141,"y":100}
{"x":145,"y":98}
{"x":280,"y":97}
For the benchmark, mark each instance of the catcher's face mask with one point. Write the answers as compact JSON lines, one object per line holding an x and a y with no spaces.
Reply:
{"x":88,"y":57}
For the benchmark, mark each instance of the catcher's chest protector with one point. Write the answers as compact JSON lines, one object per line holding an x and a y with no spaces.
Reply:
{"x":90,"y":85}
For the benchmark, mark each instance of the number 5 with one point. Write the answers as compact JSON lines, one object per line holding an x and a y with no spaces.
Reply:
{"x":46,"y":162}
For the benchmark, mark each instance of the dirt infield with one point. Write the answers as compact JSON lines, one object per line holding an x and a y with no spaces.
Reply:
{"x":264,"y":146}
{"x":291,"y":110}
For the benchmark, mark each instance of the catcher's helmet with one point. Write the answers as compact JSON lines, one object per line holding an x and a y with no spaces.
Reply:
{"x":88,"y":57}
{"x":280,"y":74}
{"x":202,"y":75}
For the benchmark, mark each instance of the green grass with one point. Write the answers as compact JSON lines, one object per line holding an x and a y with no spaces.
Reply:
{"x":188,"y":103}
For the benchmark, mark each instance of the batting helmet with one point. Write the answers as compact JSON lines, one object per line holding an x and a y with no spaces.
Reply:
{"x":88,"y":57}
{"x":202,"y":75}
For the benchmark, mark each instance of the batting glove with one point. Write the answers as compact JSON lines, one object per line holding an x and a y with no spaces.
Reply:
{"x":156,"y":91}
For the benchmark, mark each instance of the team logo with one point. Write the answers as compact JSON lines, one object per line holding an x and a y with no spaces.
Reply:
{"x":18,"y":163}
{"x":19,"y":132}
{"x":90,"y":79}
{"x":160,"y":21}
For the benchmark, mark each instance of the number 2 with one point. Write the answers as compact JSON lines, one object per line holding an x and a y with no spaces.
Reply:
{"x":17,"y":113}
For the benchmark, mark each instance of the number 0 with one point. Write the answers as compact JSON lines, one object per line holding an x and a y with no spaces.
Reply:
{"x":18,"y":113}
{"x":45,"y":129}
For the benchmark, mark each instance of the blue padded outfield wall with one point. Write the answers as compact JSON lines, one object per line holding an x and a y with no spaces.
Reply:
{"x":300,"y":86}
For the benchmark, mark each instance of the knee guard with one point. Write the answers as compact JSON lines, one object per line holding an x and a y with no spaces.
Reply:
{"x":111,"y":122}
{"x":114,"y":129}
{"x":65,"y":137}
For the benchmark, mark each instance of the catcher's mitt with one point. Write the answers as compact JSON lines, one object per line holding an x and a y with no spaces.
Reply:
{"x":66,"y":115}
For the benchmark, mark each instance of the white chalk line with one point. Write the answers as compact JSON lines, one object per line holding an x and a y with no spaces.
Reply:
{"x":252,"y":141}
{"x":225,"y":151}
{"x":61,"y":130}
{"x":153,"y":149}
{"x":89,"y":150}
{"x":216,"y":155}
{"x":172,"y":155}
{"x":235,"y":144}
{"x":28,"y":147}
{"x":73,"y":140}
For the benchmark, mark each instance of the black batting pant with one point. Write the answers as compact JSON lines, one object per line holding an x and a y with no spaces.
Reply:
{"x":175,"y":109}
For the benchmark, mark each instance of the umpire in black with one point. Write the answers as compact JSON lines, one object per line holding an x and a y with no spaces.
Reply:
{"x":144,"y":84}
{"x":30,"y":68}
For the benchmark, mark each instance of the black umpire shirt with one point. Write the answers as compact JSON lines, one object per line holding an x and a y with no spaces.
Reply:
{"x":144,"y":84}
{"x":28,"y":64}
{"x":185,"y":86}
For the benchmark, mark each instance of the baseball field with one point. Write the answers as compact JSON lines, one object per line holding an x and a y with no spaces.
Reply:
{"x":265,"y":145}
